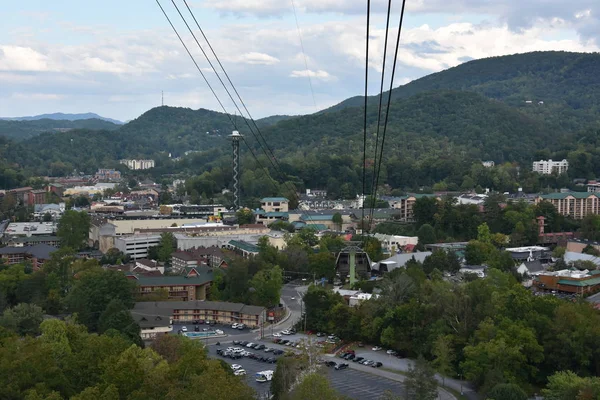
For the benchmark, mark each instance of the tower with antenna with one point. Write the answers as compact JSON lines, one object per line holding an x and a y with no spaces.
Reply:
{"x":235,"y":141}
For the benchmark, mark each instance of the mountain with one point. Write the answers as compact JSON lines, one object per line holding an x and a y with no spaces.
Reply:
{"x":62,"y":117}
{"x":567,"y":83}
{"x":21,"y":130}
{"x":273,"y":119}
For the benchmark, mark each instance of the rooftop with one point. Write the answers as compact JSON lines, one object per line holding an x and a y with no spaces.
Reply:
{"x":243,"y":245}
{"x":205,"y":275}
{"x":272,"y":199}
{"x":167,"y":307}
{"x":39,"y":251}
{"x":560,"y":196}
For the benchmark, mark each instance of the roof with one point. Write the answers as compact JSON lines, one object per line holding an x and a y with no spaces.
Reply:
{"x":167,"y":307}
{"x":534,"y":266}
{"x":276,"y":214}
{"x":39,"y":251}
{"x":205,"y":275}
{"x":560,"y":196}
{"x":243,"y":245}
{"x":151,"y":321}
{"x":571,"y":256}
{"x":586,"y":282}
{"x":400,"y":260}
{"x":184,"y":255}
{"x":34,"y":239}
{"x":272,"y":199}
{"x":325,"y":217}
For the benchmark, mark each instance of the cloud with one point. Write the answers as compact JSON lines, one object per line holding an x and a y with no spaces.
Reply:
{"x":255,"y":58}
{"x":18,"y":58}
{"x":320,"y":74}
{"x":37,"y":96}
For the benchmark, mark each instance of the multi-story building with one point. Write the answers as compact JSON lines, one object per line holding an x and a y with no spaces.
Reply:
{"x":488,"y":164}
{"x":576,"y":205}
{"x":138,"y":164}
{"x":405,"y":205}
{"x":593,"y":187}
{"x":36,"y":197}
{"x":580,"y":282}
{"x":136,"y":246}
{"x":20,"y":194}
{"x":189,"y":311}
{"x":192,"y":284}
{"x":105,"y":174}
{"x":272,"y":209}
{"x":548,"y":166}
{"x":37,"y":255}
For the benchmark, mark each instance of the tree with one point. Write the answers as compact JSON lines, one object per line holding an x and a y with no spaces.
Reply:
{"x":73,"y":229}
{"x":244,"y":216}
{"x":166,"y":247}
{"x":338,"y":220}
{"x":566,"y":385}
{"x":591,"y":250}
{"x":420,"y":381}
{"x":424,"y":210}
{"x":507,"y":391}
{"x":47,"y":217}
{"x":476,"y":252}
{"x":267,"y":287}
{"x":483,"y":233}
{"x":322,"y":265}
{"x":314,"y":386}
{"x":114,"y":256}
{"x":116,"y":316}
{"x":24,"y":319}
{"x":94,"y":291}
{"x":286,"y":374}
{"x":426,"y":234}
{"x":444,"y":356}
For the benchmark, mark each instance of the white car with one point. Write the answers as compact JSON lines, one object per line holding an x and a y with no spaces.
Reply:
{"x":250,"y":344}
{"x":184,"y":329}
{"x":286,"y":332}
{"x":235,"y":367}
{"x":234,"y":326}
{"x":292,"y":298}
{"x":239,"y":372}
{"x":277,"y":334}
{"x":218,"y":331}
{"x":376,"y":348}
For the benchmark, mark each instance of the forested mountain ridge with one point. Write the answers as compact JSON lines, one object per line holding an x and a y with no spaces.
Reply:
{"x":62,"y":116}
{"x":21,"y":130}
{"x":567,"y":83}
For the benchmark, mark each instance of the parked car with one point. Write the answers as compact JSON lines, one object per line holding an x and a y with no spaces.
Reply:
{"x":235,"y":366}
{"x":241,"y":327}
{"x":377,"y":364}
{"x":184,"y":329}
{"x":260,"y":347}
{"x":350,"y":357}
{"x":343,"y":355}
{"x":234,"y":325}
{"x":320,"y":334}
{"x":268,"y":349}
{"x":219,"y":332}
{"x":277,"y":352}
{"x":358,"y":359}
{"x":236,"y":342}
{"x":368,"y":363}
{"x":284,"y":342}
{"x":277,"y":335}
{"x":376,"y":348}
{"x":239,"y":372}
{"x":341,"y":366}
{"x":250,"y":344}
{"x":271,"y":360}
{"x":392,"y":352}
{"x":330,"y":364}
{"x":243,"y":343}
{"x":361,"y":344}
{"x":196,"y":328}
{"x":286,"y":332}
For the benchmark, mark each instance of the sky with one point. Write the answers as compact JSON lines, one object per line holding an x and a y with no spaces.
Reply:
{"x":116,"y":57}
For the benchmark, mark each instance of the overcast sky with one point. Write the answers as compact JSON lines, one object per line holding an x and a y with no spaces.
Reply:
{"x":114,"y":57}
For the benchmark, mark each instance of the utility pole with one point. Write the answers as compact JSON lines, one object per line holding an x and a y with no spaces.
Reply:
{"x":162,"y":98}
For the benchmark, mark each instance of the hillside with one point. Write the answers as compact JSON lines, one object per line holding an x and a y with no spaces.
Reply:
{"x":567,"y":83}
{"x":21,"y":130}
{"x":62,"y":116}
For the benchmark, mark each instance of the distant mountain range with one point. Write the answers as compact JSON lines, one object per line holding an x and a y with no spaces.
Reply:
{"x":64,"y":117}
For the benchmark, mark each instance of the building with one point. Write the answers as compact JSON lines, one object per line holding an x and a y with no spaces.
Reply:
{"x":529,"y":253}
{"x":194,"y":210}
{"x":20,"y":241}
{"x":56,"y":188}
{"x":189,"y":311}
{"x":136,"y":246}
{"x":393,"y":243}
{"x":569,"y":280}
{"x":488,"y":164}
{"x":576,"y":205}
{"x":192,"y":284}
{"x":152,"y":326}
{"x":104,"y":174}
{"x":36,"y":197}
{"x":98,"y":188}
{"x":548,"y":167}
{"x":405,"y":205}
{"x":577,"y":245}
{"x":146,"y":266}
{"x":55,"y":210}
{"x":243,"y":248}
{"x":399,"y":261}
{"x":323,"y":219}
{"x":316,"y":193}
{"x":593,"y":186}
{"x":37,"y":255}
{"x":21,"y":195}
{"x":476,"y":199}
{"x":138,"y":164}
{"x":361,"y":260}
{"x":185,"y":259}
{"x":30,"y":229}
{"x":272,"y":209}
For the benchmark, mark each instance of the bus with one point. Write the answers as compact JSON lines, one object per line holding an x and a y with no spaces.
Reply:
{"x":264,"y":376}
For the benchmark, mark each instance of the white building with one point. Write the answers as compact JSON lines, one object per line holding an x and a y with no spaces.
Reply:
{"x":392,"y":243}
{"x":136,"y":245}
{"x":138,"y":164}
{"x":488,"y":164}
{"x":549,"y":166}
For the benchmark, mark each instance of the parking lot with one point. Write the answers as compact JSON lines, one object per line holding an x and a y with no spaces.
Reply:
{"x":349,"y":382}
{"x":225,"y":328}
